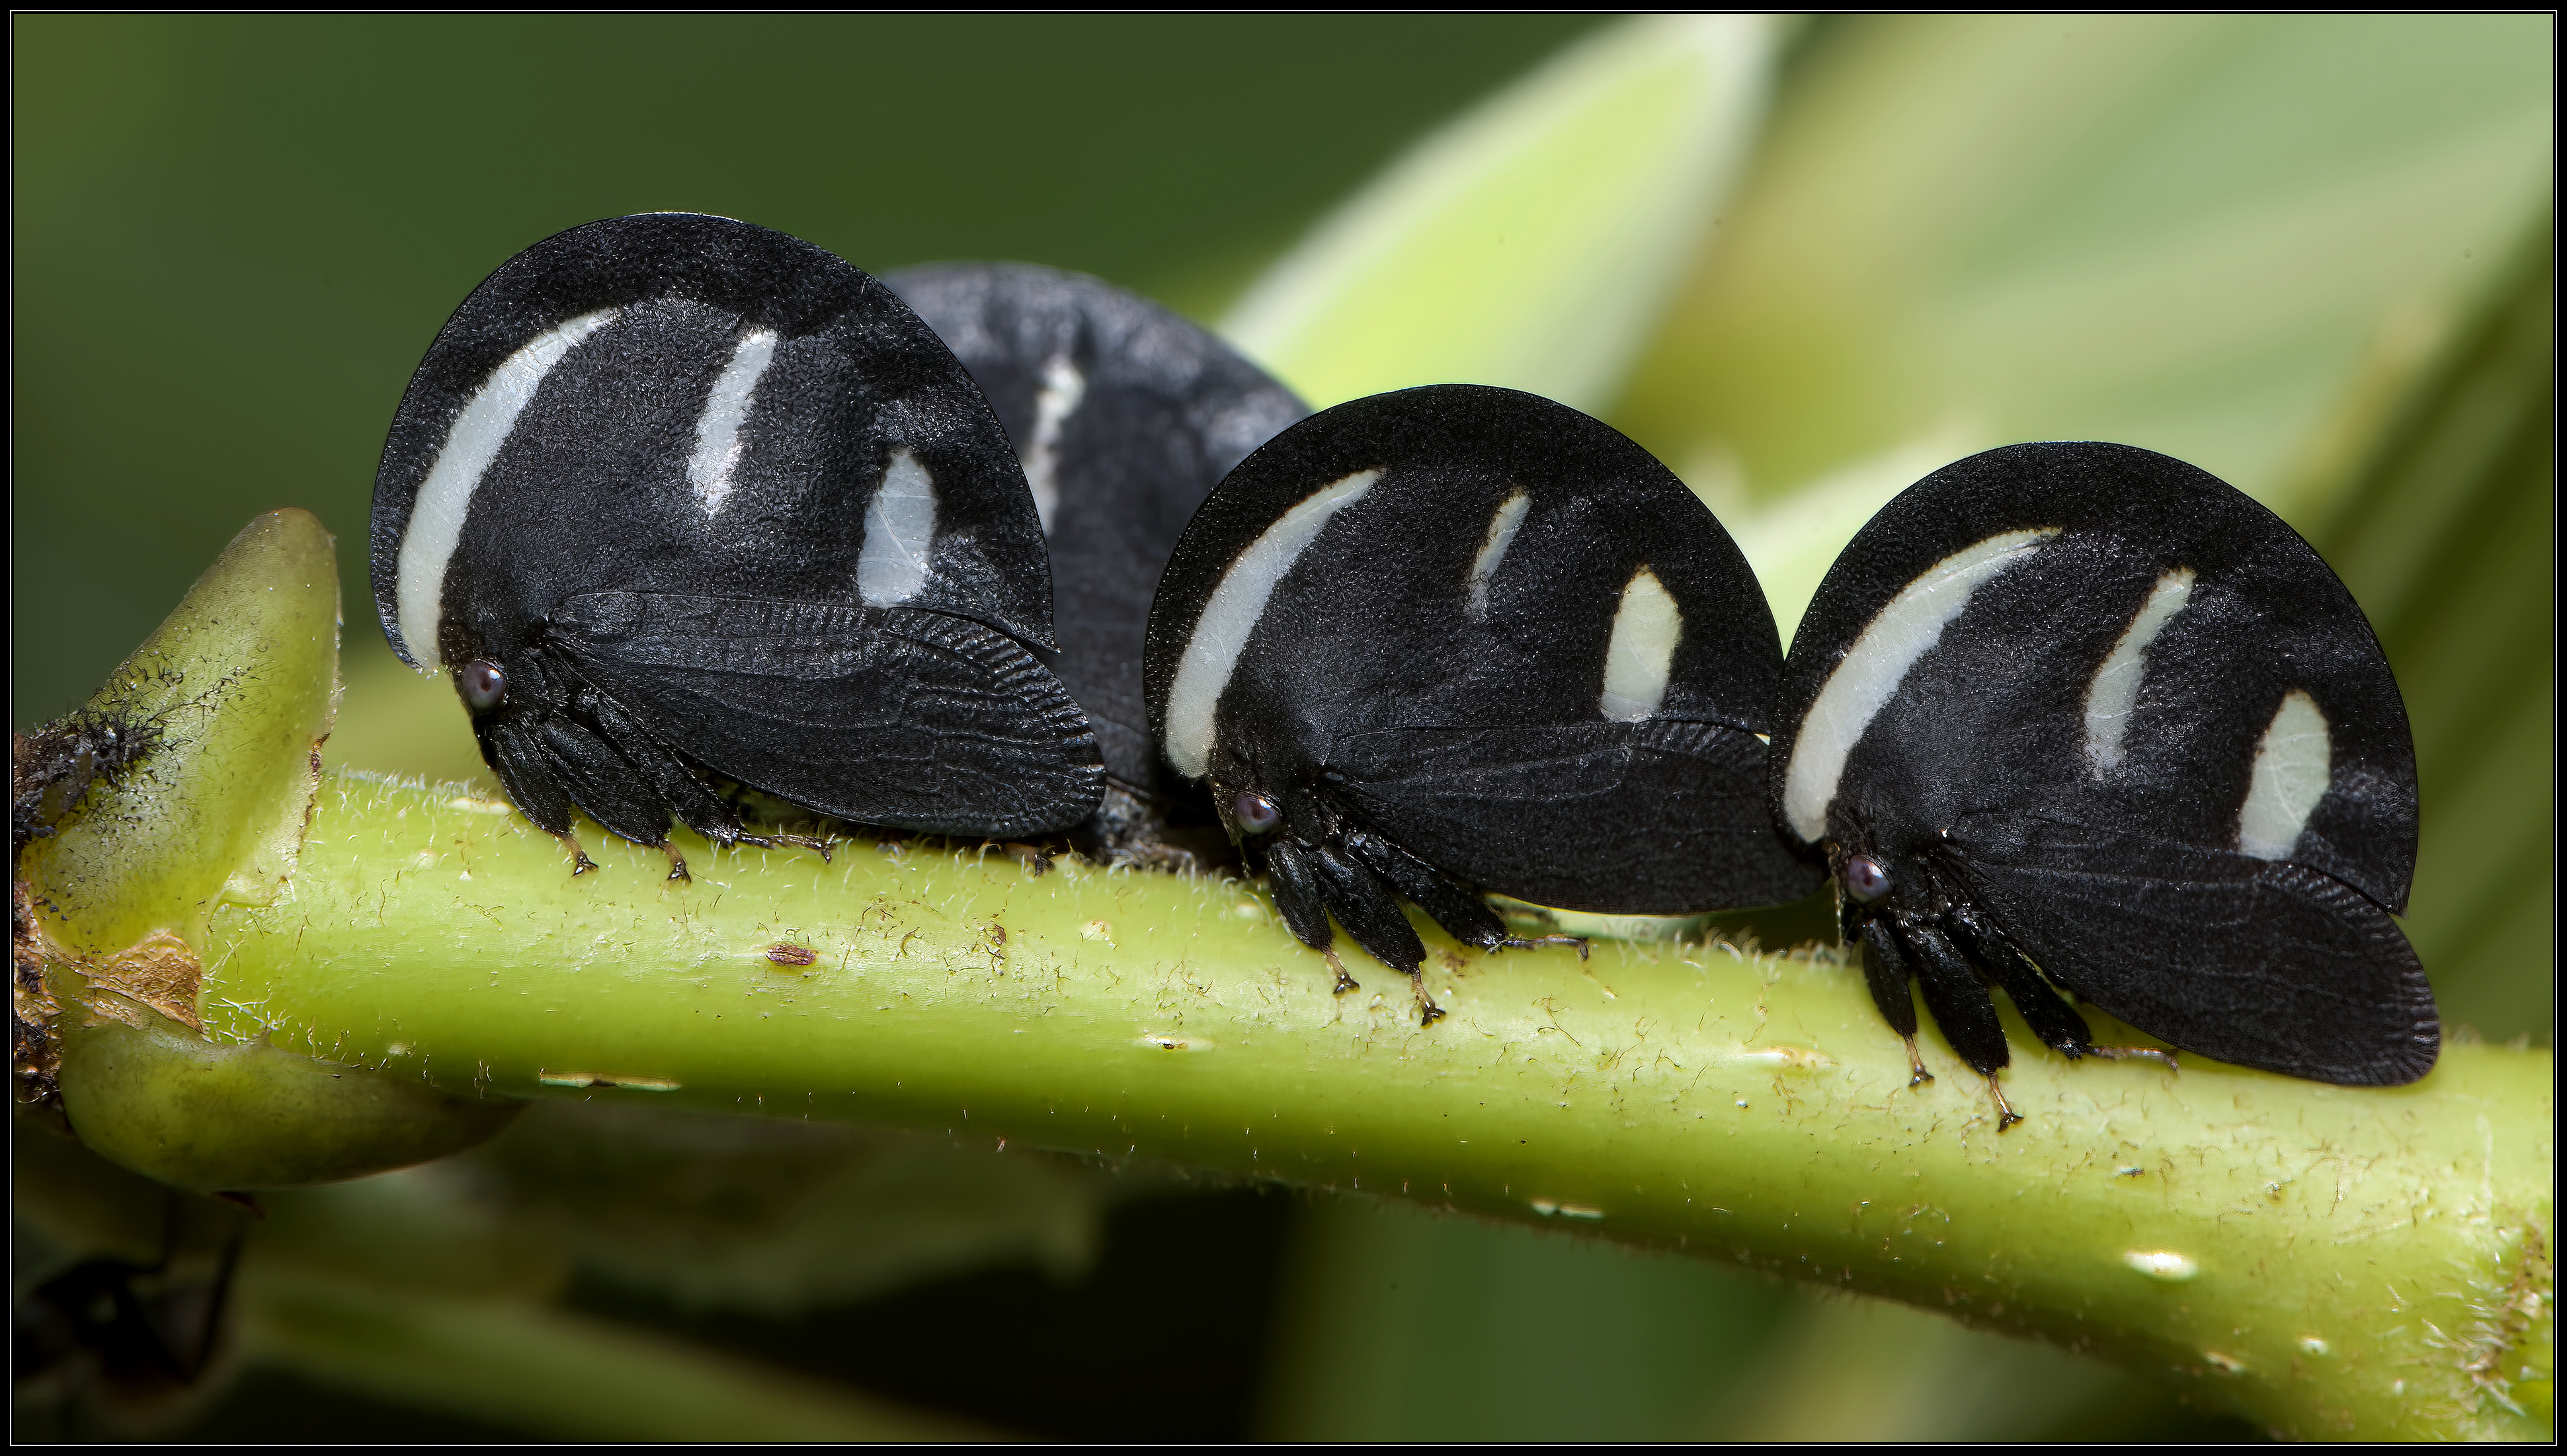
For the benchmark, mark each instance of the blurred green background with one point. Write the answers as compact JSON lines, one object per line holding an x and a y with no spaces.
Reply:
{"x":236,"y":236}
{"x":2310,"y":253}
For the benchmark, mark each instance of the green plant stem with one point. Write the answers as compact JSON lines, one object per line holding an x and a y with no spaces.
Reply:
{"x":2327,"y":1260}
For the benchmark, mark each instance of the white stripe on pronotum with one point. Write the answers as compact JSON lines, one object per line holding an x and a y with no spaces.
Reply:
{"x":1062,"y":387}
{"x":1231,"y":614}
{"x":1502,"y":534}
{"x":900,"y":531}
{"x":2115,"y":687}
{"x":1878,"y":660}
{"x":445,"y":495}
{"x":2292,"y":764}
{"x":1646,"y":628}
{"x":717,"y":442}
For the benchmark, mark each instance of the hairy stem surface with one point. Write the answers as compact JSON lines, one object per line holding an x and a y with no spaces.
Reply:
{"x":2327,"y":1260}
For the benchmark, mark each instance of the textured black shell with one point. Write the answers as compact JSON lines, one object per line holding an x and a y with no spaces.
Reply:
{"x":1473,"y":737}
{"x":1993,"y":717}
{"x":591,"y":491}
{"x":711,"y":498}
{"x":1161,"y":412}
{"x":2125,"y":861}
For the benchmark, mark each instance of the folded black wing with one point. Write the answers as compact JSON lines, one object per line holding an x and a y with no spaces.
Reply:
{"x":1658,"y":817}
{"x":2221,"y":627}
{"x":2261,"y":963}
{"x":700,"y":405}
{"x":895,"y":716}
{"x":1125,"y":416}
{"x":1510,"y":637}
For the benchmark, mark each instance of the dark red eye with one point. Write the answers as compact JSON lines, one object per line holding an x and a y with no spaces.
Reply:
{"x":482,"y":684}
{"x":1864,"y":879}
{"x":1255,"y":813}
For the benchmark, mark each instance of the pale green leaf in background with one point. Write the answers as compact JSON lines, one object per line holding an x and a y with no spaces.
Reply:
{"x":2238,"y":241}
{"x":2447,"y":534}
{"x":2284,"y":247}
{"x":2201,"y":234}
{"x":1534,"y":241}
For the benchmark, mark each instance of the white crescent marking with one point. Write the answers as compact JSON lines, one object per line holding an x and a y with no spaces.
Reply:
{"x":1502,"y":534}
{"x":2115,"y":687}
{"x":1878,"y":662}
{"x":900,"y":531}
{"x":1062,"y":388}
{"x":1646,"y":628}
{"x":444,"y":496}
{"x":1232,"y":613}
{"x":717,"y":442}
{"x":2293,"y":762}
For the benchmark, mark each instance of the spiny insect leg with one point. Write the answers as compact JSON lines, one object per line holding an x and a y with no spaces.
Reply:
{"x":796,"y":841}
{"x":1297,"y":894}
{"x":1956,"y":996}
{"x":2006,"y":1115}
{"x":1306,"y":910}
{"x":1885,"y":968}
{"x":1463,"y":914}
{"x":1852,"y":917}
{"x":676,"y":862}
{"x":1345,"y":983}
{"x":735,"y":802}
{"x":1036,"y":859}
{"x":1428,"y":1012}
{"x":679,"y":791}
{"x":2048,"y":1014}
{"x":513,"y":754}
{"x":1364,"y":904}
{"x":2160,"y":1054}
{"x":603,"y":782}
{"x":1963,"y":1006}
{"x":2051,"y":1017}
{"x":580,"y":863}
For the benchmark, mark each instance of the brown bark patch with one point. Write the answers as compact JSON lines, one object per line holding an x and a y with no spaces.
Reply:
{"x":159,"y":973}
{"x":35,"y":1055}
